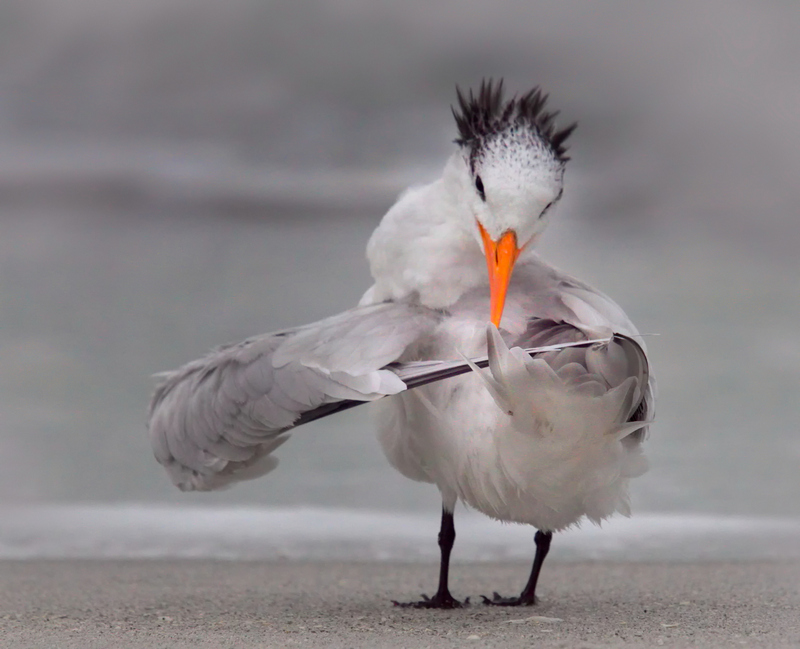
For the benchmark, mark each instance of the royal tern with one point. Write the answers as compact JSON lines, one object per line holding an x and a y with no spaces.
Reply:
{"x":544,"y":439}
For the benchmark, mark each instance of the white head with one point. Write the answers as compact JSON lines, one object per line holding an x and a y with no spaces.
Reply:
{"x":513,"y":174}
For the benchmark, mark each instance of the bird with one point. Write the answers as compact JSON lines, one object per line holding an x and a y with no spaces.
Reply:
{"x":546,"y":437}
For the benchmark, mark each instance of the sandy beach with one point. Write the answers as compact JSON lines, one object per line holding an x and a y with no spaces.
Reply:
{"x":199,"y":603}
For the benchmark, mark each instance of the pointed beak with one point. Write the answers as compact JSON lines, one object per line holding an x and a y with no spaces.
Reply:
{"x":500,"y":258}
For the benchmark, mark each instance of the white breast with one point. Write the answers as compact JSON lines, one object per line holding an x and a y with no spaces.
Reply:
{"x":564,"y":463}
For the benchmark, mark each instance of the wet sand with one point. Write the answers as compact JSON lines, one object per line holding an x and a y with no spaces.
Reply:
{"x":199,"y":603}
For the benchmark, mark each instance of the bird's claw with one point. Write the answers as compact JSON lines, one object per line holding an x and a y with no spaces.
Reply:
{"x":498,"y":600}
{"x":437,"y":601}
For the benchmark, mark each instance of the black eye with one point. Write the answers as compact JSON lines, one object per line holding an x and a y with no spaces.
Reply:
{"x":479,"y":187}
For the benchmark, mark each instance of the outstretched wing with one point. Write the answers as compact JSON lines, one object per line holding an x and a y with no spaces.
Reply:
{"x":216,"y":420}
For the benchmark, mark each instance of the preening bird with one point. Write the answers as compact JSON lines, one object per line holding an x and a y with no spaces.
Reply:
{"x":546,"y":437}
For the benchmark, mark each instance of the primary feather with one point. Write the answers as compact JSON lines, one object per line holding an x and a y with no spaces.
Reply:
{"x":217,"y":419}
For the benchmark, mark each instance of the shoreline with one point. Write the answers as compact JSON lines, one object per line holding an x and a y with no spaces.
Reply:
{"x":202,"y":603}
{"x":152,"y":531}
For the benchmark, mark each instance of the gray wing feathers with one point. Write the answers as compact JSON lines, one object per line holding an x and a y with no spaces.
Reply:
{"x":564,"y":309}
{"x":337,"y":344}
{"x":561,"y":298}
{"x":217,"y":419}
{"x":621,"y":364}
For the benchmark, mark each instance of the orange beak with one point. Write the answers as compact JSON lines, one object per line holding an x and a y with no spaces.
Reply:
{"x":500,"y":258}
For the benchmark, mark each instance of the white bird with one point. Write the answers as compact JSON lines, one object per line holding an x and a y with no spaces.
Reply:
{"x":544,"y":440}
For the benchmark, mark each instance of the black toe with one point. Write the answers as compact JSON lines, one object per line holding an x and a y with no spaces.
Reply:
{"x":443,"y":601}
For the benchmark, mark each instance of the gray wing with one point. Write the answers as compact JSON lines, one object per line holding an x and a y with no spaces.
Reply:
{"x":610,"y":362}
{"x":553,"y":295}
{"x":217,"y":419}
{"x":563,"y":309}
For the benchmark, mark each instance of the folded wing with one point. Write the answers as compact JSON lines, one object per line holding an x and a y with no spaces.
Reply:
{"x":598,"y":368}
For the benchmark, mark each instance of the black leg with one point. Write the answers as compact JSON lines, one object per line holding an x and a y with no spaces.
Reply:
{"x":528,"y":595}
{"x":442,"y":598}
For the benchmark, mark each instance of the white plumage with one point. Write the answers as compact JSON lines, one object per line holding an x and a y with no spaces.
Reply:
{"x":458,"y":435}
{"x":545,"y":439}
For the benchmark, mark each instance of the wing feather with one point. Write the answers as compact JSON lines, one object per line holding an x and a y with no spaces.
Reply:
{"x":215,"y":420}
{"x":598,"y":368}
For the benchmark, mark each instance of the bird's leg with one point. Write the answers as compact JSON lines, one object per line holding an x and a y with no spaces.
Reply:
{"x":528,"y":595}
{"x":442,"y":598}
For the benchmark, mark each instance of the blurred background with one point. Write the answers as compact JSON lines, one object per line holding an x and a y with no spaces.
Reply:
{"x":175,"y":174}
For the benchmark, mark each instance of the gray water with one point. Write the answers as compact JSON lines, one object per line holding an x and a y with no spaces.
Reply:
{"x":175,"y":174}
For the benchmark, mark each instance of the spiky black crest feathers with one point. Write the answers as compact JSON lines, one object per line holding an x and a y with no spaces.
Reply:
{"x":479,"y":117}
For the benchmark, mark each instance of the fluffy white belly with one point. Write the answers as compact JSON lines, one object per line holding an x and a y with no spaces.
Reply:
{"x":454,"y":435}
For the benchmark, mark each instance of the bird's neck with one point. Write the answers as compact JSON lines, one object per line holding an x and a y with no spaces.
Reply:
{"x":425,"y":248}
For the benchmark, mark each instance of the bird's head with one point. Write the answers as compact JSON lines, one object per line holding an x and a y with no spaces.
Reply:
{"x":514,"y":161}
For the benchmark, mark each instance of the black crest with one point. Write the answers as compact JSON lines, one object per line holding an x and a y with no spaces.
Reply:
{"x":487,"y":113}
